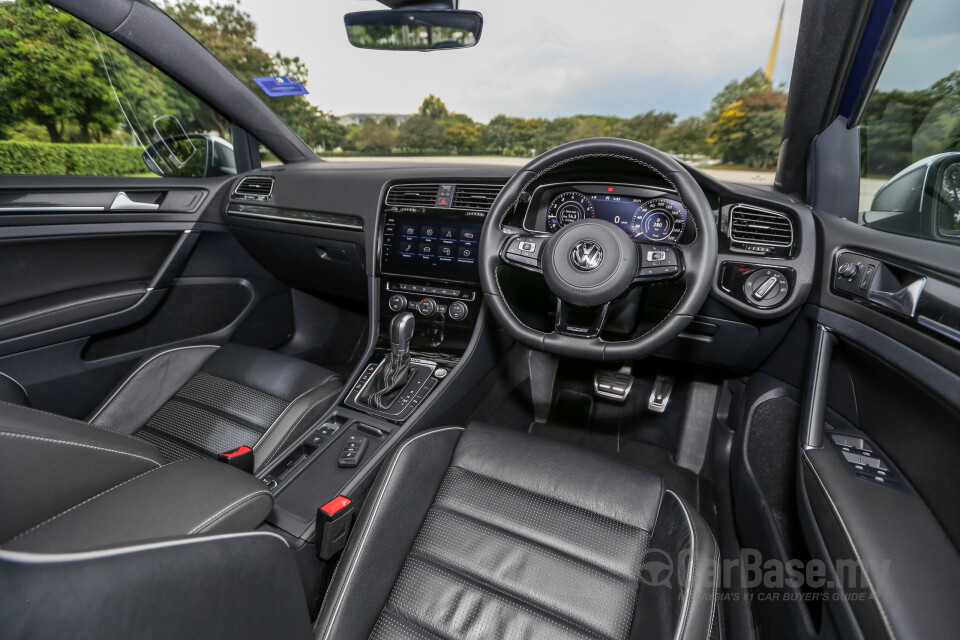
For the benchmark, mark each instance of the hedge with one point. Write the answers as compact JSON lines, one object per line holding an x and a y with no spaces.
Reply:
{"x":45,"y":158}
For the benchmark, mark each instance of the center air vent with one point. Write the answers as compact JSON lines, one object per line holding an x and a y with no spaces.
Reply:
{"x":412,"y":195}
{"x":475,"y":196}
{"x":759,"y":227}
{"x":254,"y":188}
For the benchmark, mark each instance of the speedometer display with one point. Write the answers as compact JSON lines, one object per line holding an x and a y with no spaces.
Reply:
{"x":645,"y":214}
{"x":659,"y":220}
{"x":566,"y":208}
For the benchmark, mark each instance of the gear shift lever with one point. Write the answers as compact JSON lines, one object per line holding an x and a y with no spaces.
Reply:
{"x":395,"y":370}
{"x":401,"y":333}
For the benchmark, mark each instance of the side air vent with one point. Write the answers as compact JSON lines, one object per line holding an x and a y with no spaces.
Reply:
{"x":759,"y":227}
{"x":412,"y":195}
{"x":254,"y":188}
{"x":475,"y":196}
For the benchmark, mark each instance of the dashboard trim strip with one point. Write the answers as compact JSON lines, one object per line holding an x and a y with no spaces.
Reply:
{"x":335,"y":222}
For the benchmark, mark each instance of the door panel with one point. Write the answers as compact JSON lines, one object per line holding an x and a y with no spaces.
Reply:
{"x":89,"y":292}
{"x":882,"y":498}
{"x":62,"y":287}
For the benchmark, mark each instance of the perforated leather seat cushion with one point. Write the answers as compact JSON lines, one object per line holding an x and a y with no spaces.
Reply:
{"x":508,"y":562}
{"x":487,"y":533}
{"x":201,"y":401}
{"x":210,"y":415}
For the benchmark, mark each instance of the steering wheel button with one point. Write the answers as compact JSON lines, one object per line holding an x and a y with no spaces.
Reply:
{"x":670,"y":258}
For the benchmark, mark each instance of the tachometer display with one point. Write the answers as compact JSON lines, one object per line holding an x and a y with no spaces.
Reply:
{"x":659,"y":220}
{"x":566,"y":208}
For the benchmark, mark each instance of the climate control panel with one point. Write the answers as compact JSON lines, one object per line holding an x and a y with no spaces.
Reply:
{"x":432,"y":304}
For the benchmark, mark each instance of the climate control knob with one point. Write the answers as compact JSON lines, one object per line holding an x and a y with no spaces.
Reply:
{"x":397,"y":303}
{"x":427,"y":307}
{"x":457,"y":311}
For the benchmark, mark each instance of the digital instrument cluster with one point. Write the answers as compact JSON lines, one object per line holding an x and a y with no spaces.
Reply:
{"x":660,"y":218}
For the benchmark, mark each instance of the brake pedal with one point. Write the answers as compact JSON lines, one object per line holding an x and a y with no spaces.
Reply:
{"x":613,"y":385}
{"x":660,"y":395}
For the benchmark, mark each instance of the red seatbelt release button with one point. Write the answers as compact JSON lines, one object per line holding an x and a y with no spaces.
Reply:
{"x":335,"y":505}
{"x":334,"y":521}
{"x":241,"y":458}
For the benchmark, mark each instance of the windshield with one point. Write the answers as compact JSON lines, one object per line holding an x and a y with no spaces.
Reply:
{"x":712,"y":90}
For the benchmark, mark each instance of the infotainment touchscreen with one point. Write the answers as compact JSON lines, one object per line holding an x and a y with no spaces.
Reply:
{"x":441,"y":247}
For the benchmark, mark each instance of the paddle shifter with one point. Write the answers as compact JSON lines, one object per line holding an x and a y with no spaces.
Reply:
{"x":395,"y":371}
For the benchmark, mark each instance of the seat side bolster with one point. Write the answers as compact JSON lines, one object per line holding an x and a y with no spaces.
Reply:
{"x":151,"y":383}
{"x":12,"y":391}
{"x":239,"y":586}
{"x":388,"y":524}
{"x":677,"y":597}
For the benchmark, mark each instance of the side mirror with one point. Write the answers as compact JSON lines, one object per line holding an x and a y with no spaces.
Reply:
{"x":922,"y":200}
{"x":191,"y":155}
{"x":399,"y":30}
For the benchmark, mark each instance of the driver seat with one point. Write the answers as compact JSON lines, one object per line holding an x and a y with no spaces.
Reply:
{"x":486,"y":533}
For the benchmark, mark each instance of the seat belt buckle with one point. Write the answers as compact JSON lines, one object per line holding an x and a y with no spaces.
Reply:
{"x":334,"y":521}
{"x":241,"y":458}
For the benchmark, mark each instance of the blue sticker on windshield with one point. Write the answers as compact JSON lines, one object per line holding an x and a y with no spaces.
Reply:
{"x":279,"y":86}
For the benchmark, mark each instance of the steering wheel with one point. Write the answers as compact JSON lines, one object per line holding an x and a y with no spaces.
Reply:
{"x":589,"y":263}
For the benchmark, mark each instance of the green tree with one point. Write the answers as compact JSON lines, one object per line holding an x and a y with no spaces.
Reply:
{"x":648,"y":127}
{"x":496,"y":135}
{"x":687,"y":137}
{"x":462,"y":137}
{"x":52,"y":73}
{"x":524,"y":133}
{"x":749,"y":130}
{"x":231,"y":35}
{"x":901,"y":127}
{"x":325,"y":131}
{"x":376,"y":137}
{"x":433,"y":108}
{"x":420,"y":133}
{"x":736,"y":90}
{"x":554,"y":132}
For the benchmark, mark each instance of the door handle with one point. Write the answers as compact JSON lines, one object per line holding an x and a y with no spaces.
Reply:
{"x":903,"y":300}
{"x":122,"y":202}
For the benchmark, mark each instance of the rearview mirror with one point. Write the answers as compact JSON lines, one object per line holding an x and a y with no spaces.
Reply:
{"x":191,"y":155}
{"x":400,"y":30}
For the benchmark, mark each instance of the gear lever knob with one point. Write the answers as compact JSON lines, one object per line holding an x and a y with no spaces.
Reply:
{"x":401,"y":333}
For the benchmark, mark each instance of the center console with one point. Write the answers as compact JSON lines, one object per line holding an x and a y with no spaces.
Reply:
{"x":428,"y":267}
{"x":428,"y":304}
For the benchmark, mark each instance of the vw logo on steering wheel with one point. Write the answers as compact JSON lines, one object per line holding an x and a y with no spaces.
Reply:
{"x":586,"y":255}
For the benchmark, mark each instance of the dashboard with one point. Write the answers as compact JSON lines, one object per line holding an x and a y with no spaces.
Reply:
{"x":325,"y":228}
{"x":645,"y":214}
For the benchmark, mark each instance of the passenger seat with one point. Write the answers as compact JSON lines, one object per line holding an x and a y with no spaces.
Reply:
{"x":200,"y":401}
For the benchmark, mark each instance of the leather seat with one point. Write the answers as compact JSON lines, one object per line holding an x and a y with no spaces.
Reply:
{"x":200,"y":401}
{"x":484,"y":533}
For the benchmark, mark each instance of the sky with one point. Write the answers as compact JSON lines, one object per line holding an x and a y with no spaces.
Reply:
{"x":540,"y":59}
{"x":927,"y":47}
